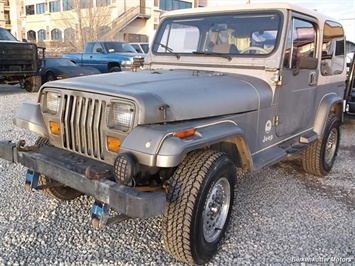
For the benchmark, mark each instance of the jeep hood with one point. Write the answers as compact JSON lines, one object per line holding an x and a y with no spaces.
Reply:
{"x":177,"y":95}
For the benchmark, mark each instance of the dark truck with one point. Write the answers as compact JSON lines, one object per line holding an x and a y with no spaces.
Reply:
{"x":107,"y":56}
{"x":19,"y":62}
{"x":350,"y":93}
{"x":242,"y":86}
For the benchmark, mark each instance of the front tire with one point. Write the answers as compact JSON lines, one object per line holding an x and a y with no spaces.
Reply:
{"x":59,"y":192}
{"x":50,"y":77}
{"x":115,"y":69}
{"x":199,"y":205}
{"x":318,"y":159}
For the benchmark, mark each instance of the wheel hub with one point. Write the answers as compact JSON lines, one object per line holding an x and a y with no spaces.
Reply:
{"x":216,"y":209}
{"x":330,"y":146}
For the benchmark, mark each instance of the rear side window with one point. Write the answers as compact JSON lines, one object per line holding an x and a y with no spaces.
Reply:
{"x":333,"y":49}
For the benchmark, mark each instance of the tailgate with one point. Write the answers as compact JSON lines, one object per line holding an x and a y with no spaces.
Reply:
{"x":18,"y":57}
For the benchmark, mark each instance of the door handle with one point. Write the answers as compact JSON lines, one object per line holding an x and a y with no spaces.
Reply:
{"x":312,"y":79}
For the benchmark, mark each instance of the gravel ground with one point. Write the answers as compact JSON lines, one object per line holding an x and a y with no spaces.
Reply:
{"x":282,"y":216}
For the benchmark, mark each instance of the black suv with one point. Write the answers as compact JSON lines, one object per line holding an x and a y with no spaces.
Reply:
{"x":19,"y":62}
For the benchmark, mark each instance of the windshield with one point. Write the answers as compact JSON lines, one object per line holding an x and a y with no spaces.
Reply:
{"x":6,"y":35}
{"x":233,"y":34}
{"x":119,"y":47}
{"x":145,"y":47}
{"x":56,"y":62}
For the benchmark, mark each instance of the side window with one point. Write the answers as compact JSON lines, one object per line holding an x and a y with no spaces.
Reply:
{"x":89,"y":48}
{"x":136,"y":47}
{"x":301,"y":41}
{"x":96,"y":46}
{"x":333,"y":49}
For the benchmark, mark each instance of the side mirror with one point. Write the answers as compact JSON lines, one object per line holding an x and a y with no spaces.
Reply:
{"x":99,"y":50}
{"x":24,"y":40}
{"x":305,"y":63}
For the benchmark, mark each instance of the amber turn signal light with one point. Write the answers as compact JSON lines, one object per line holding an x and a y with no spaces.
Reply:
{"x":113,"y":144}
{"x":54,"y":127}
{"x":185,"y":133}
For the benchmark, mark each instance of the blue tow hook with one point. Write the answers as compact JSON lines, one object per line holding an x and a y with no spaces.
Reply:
{"x":31,"y":180}
{"x":99,"y":214}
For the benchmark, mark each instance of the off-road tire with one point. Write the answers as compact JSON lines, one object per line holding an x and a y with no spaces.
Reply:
{"x":115,"y":69}
{"x":188,"y":233}
{"x":33,"y":84}
{"x":318,"y":159}
{"x":59,"y":192}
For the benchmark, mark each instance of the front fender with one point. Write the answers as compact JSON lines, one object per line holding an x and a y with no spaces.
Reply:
{"x":29,"y":117}
{"x":157,"y":146}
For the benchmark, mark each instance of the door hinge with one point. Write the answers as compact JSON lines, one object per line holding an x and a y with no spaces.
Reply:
{"x":277,"y":77}
{"x":275,"y":120}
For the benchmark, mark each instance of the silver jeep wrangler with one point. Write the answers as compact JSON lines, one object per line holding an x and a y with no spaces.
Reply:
{"x":242,"y":86}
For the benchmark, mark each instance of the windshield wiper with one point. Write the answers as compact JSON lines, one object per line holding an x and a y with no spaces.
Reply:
{"x":214,"y":54}
{"x":170,"y":50}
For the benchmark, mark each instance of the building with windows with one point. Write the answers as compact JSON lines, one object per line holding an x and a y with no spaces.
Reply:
{"x":70,"y":23}
{"x":5,"y":14}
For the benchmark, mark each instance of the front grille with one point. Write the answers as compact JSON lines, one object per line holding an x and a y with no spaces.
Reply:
{"x":82,"y":120}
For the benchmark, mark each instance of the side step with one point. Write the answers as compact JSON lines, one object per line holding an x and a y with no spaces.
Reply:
{"x":275,"y":154}
{"x":268,"y":157}
{"x":298,"y":145}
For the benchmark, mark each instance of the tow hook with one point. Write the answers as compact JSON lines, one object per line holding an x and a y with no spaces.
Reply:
{"x":20,"y":146}
{"x":96,"y":175}
{"x":100,"y":215}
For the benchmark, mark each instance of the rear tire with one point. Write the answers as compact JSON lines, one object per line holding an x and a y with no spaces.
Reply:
{"x":59,"y":192}
{"x":33,"y":84}
{"x":199,"y":205}
{"x":318,"y":159}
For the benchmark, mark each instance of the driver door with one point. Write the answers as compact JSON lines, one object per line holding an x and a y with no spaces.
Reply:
{"x":299,"y":84}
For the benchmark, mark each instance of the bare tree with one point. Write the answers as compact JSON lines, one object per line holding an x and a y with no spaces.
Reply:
{"x":83,"y":21}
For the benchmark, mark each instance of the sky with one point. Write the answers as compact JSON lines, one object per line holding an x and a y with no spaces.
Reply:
{"x":335,"y":8}
{"x":343,"y":10}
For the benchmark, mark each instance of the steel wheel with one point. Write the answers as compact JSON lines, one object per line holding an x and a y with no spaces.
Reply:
{"x":216,"y":209}
{"x":331,"y":146}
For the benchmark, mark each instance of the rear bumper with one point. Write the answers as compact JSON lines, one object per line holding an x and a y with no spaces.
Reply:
{"x":69,"y":168}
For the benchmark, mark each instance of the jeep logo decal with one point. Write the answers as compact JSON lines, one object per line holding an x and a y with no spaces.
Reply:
{"x":268,"y":127}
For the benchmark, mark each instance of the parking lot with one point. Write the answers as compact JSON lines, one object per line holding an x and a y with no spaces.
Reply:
{"x":281,"y":215}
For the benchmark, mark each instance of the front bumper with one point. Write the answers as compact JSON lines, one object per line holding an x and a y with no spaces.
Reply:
{"x":69,"y":168}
